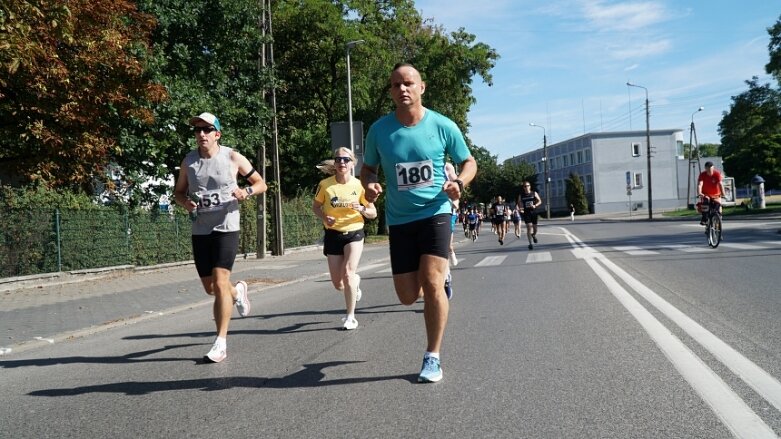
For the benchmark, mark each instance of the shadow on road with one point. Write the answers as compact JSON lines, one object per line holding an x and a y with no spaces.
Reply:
{"x":311,"y":376}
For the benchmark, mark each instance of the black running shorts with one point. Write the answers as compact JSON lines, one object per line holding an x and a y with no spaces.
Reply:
{"x":408,"y":242}
{"x":334,"y":241}
{"x":215,"y":250}
{"x":529,"y":217}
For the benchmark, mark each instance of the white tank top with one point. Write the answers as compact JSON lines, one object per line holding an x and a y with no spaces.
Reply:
{"x":212,"y":180}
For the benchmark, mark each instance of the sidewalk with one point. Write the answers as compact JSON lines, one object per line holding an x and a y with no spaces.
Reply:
{"x":36,"y":310}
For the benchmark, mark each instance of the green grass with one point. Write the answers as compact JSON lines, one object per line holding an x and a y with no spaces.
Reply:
{"x":728,"y":211}
{"x":373,"y":239}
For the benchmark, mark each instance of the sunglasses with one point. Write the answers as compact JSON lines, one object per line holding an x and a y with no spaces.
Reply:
{"x":207,"y":130}
{"x":342,"y":159}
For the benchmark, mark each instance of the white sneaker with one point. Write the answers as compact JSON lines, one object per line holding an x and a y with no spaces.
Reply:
{"x":453,"y":259}
{"x":242,"y":300}
{"x":358,"y":293}
{"x":350,"y":323}
{"x":217,"y":353}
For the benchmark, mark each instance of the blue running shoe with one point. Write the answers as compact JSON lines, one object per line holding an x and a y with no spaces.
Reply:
{"x":448,"y":286}
{"x":431,"y":372}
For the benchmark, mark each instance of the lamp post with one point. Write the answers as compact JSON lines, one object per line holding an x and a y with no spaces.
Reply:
{"x":648,"y":148}
{"x":350,"y":45}
{"x":545,"y":166}
{"x":689,"y":203}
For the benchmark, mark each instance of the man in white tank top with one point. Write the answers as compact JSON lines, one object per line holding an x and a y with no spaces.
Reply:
{"x":207,"y":188}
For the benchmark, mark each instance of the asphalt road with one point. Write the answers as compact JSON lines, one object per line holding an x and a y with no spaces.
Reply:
{"x":605,"y":329}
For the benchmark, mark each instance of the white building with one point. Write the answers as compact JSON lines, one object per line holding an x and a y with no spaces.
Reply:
{"x":609,"y":163}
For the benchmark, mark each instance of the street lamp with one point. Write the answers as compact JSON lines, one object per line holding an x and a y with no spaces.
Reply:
{"x":350,"y":45}
{"x":545,"y":165}
{"x":692,"y":135}
{"x":648,"y":148}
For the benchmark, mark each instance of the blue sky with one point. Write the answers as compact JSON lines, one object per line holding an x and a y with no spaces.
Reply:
{"x":565,"y":64}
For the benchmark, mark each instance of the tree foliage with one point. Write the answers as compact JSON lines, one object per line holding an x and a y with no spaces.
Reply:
{"x":72,"y":73}
{"x":773,"y":67}
{"x":751,"y":135}
{"x":310,"y":44}
{"x":92,"y":83}
{"x":575,"y":193}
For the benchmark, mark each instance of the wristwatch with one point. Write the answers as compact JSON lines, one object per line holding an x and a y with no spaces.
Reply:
{"x":249,"y":190}
{"x":460,"y":184}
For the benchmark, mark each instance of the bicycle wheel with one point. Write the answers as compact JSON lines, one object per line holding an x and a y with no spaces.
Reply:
{"x":714,"y":236}
{"x":717,"y":230}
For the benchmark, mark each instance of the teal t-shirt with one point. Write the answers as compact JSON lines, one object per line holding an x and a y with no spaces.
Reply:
{"x":413,"y":160}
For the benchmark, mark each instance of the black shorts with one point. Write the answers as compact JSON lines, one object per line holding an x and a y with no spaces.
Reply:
{"x":408,"y":242}
{"x":498,"y":220}
{"x":215,"y":250}
{"x":529,"y":217}
{"x":334,"y":241}
{"x":472,"y":226}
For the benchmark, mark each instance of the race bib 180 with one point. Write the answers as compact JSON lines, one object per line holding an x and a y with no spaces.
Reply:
{"x":414,"y":175}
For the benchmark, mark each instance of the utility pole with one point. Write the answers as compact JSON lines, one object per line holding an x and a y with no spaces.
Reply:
{"x":648,"y":148}
{"x":260,"y":157}
{"x":545,"y":167}
{"x":691,"y":158}
{"x":279,"y":244}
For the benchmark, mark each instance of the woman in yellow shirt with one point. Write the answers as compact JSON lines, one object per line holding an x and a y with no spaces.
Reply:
{"x":340,"y":203}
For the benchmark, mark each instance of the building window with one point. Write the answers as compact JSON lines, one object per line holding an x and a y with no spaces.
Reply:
{"x":580,"y":157}
{"x":679,"y":148}
{"x":635,"y":150}
{"x":572,"y":158}
{"x":565,"y":161}
{"x":638,"y":179}
{"x":588,"y":156}
{"x":589,"y":184}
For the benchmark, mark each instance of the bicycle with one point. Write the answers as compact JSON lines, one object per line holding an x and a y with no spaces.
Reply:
{"x":713,"y":221}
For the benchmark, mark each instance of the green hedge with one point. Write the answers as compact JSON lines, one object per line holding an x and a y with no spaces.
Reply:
{"x":73,"y":233}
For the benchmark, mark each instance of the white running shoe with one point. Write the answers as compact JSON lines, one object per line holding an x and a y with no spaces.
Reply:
{"x":242,"y":299}
{"x":358,"y":293}
{"x":350,"y":323}
{"x":453,"y":259}
{"x":216,"y":354}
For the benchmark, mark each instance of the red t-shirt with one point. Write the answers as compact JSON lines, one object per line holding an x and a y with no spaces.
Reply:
{"x":711,"y":183}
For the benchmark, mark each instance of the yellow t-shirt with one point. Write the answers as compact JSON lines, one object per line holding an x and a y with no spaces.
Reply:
{"x":337,"y":199}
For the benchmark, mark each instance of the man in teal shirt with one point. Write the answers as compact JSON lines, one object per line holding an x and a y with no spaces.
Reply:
{"x":412,"y":144}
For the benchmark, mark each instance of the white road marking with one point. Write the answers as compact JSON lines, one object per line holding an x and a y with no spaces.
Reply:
{"x":742,"y":246}
{"x":694,"y":249}
{"x":770,"y":242}
{"x":491,"y":260}
{"x":536,"y":257}
{"x":373,"y":266}
{"x":728,"y":406}
{"x":635,"y":251}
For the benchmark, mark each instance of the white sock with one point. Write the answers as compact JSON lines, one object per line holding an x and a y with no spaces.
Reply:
{"x":432,"y":355}
{"x":221,"y":341}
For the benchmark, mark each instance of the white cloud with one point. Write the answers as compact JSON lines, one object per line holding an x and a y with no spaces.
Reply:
{"x":623,"y":16}
{"x":639,"y":50}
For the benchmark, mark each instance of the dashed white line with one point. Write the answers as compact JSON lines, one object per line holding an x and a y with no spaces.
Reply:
{"x":491,"y":260}
{"x":536,"y":257}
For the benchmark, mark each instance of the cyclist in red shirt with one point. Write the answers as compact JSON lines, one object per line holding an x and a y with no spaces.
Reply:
{"x":710,"y":185}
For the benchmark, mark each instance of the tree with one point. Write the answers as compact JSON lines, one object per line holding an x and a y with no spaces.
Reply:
{"x":575,"y":193}
{"x":72,"y":73}
{"x":208,"y":58}
{"x":774,"y":47}
{"x":751,"y":135}
{"x":310,"y":39}
{"x":706,"y":149}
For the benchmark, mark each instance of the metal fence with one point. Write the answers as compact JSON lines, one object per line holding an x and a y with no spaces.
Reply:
{"x":45,"y":241}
